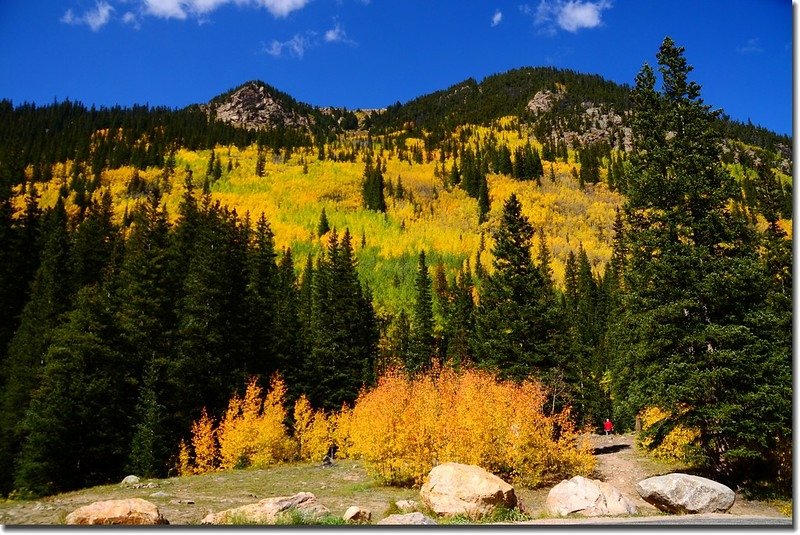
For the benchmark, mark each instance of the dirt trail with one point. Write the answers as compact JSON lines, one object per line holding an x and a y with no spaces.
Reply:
{"x":620,"y":464}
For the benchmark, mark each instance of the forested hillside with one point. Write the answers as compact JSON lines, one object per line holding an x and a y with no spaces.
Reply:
{"x":627,"y":247}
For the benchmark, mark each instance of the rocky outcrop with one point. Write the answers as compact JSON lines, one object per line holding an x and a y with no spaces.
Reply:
{"x":356,"y":514}
{"x":270,"y":510}
{"x":588,"y":497}
{"x":462,"y":489}
{"x":255,"y":107}
{"x":684,"y":493}
{"x":543,"y":101}
{"x":410,"y":519}
{"x":133,"y":512}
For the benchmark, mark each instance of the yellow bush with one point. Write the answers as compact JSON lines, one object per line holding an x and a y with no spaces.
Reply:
{"x":252,"y":433}
{"x":204,"y":444}
{"x":312,"y":431}
{"x":675,"y":446}
{"x":404,"y":427}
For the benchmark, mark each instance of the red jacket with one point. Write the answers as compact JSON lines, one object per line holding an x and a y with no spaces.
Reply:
{"x":608,"y":426}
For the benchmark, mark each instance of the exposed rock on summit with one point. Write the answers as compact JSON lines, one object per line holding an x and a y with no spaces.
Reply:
{"x":256,"y":106}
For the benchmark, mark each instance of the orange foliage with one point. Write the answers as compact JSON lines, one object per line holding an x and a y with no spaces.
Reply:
{"x":204,"y":444}
{"x":404,"y":427}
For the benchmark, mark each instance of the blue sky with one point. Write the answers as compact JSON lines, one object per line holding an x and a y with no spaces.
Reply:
{"x":372,"y":53}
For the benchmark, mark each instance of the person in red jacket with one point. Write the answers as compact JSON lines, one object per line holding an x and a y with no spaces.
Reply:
{"x":608,"y":427}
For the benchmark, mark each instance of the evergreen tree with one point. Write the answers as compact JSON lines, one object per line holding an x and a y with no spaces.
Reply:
{"x":460,"y":321}
{"x":323,"y":227}
{"x":77,"y":429}
{"x":693,"y":333}
{"x":515,"y":323}
{"x":422,"y":347}
{"x":50,"y":296}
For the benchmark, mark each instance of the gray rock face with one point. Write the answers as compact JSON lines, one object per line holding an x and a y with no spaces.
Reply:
{"x":130,"y":480}
{"x":133,"y":512}
{"x":411,"y":519}
{"x":684,"y":493}
{"x":270,"y":510}
{"x":252,"y":106}
{"x":463,"y":489}
{"x":588,"y":497}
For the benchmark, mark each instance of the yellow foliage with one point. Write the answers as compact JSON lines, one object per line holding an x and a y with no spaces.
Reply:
{"x":184,"y":460}
{"x":204,"y":444}
{"x":404,"y":427}
{"x":253,"y":433}
{"x":312,"y":431}
{"x":675,"y":445}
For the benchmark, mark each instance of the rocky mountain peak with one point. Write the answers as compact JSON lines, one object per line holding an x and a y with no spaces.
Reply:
{"x":257,"y":106}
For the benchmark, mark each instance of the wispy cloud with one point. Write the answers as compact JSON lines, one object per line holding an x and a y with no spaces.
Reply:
{"x":295,"y":47}
{"x":136,"y":10}
{"x":752,"y":46}
{"x":571,"y":15}
{"x":497,"y":18}
{"x":337,"y":34}
{"x":94,"y":18}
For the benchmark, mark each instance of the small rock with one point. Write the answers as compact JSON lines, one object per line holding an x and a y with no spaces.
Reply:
{"x":355,"y":513}
{"x":133,"y":511}
{"x":407,"y":506}
{"x":684,"y":493}
{"x":269,"y":510}
{"x":412,"y":519}
{"x":130,"y":480}
{"x":159,"y":494}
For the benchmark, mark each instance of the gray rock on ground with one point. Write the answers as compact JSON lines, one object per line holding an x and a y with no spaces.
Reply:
{"x":134,"y":512}
{"x":684,"y":493}
{"x":407,"y":506}
{"x":130,"y":480}
{"x":409,"y":519}
{"x":588,"y":497}
{"x":270,"y":510}
{"x":355,"y":513}
{"x":461,"y":489}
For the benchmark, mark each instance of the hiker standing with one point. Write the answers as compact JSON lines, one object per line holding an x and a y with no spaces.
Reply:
{"x":608,"y":427}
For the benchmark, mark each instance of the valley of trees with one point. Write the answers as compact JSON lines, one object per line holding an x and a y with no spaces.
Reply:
{"x":116,"y":330}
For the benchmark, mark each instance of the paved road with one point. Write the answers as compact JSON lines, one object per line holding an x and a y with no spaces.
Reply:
{"x":668,"y":520}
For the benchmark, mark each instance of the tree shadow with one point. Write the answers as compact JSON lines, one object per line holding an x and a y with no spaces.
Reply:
{"x":610,"y":449}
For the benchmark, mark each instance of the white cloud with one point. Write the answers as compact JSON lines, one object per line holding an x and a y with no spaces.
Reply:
{"x":94,"y":19}
{"x":282,"y":8}
{"x":497,"y":18}
{"x":165,"y":9}
{"x":752,"y":46}
{"x":338,"y":35}
{"x":571,"y":15}
{"x":199,"y":10}
{"x":296,"y":46}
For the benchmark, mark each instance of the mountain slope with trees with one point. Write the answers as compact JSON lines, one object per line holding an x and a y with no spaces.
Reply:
{"x":630,"y":249}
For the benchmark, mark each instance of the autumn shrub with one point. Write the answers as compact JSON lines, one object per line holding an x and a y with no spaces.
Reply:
{"x":675,"y":445}
{"x":252,"y":433}
{"x":312,"y":431}
{"x":405,"y":426}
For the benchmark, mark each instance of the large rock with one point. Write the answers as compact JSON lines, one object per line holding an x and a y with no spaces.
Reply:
{"x":462,"y":489}
{"x":130,"y":480}
{"x":135,"y":512}
{"x":411,"y":519}
{"x":270,"y":510}
{"x":588,"y":497}
{"x":684,"y":493}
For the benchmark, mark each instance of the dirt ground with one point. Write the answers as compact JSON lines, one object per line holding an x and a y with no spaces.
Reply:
{"x":621,"y":465}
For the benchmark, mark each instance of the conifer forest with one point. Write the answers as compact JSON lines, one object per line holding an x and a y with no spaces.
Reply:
{"x":599,"y":251}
